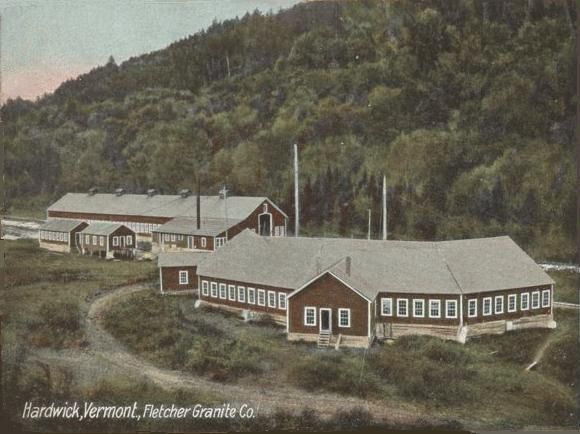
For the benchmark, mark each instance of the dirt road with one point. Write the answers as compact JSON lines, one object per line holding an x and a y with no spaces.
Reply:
{"x":106,"y":348}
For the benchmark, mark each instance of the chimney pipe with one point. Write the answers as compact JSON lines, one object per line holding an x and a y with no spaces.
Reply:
{"x":198,"y":204}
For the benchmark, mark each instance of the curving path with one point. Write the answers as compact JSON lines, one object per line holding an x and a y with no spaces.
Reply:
{"x":106,"y":347}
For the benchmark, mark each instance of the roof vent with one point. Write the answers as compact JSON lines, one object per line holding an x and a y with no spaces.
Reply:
{"x":185,"y":192}
{"x":93,"y":191}
{"x":119,"y":192}
{"x":151,"y":192}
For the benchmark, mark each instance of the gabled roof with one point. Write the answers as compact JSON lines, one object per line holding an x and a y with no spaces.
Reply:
{"x":448,"y":267}
{"x":239,"y":207}
{"x":181,"y":259}
{"x":188,"y":226}
{"x":101,"y":228}
{"x":61,"y":225}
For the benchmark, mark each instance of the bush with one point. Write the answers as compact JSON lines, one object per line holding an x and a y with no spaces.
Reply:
{"x":335,"y":373}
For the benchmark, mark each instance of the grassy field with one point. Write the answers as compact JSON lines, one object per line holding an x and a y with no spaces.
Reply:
{"x":482,"y":383}
{"x":566,"y":288}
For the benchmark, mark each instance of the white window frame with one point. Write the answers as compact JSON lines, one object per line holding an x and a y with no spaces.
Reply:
{"x":448,"y":304}
{"x":514,"y":298}
{"x":487,"y":302}
{"x":241,"y":294}
{"x":546,"y":293}
{"x":498,"y":310}
{"x":433,"y":303}
{"x":272,"y":297}
{"x":203,"y":242}
{"x":536,"y":305}
{"x":205,"y":288}
{"x":472,"y":302}
{"x":261,"y":297}
{"x":219,"y":242}
{"x":66,"y":237}
{"x":388,"y":302}
{"x":102,"y":241}
{"x":308,"y":309}
{"x":251,"y":295}
{"x":340,"y":312}
{"x":405,"y":302}
{"x":419,"y":301}
{"x":232,"y":292}
{"x":223,"y":291}
{"x":181,"y":274}
{"x":173,"y":239}
{"x":129,"y":240}
{"x":95,"y":243}
{"x":282,"y":300}
{"x":115,"y":241}
{"x":214,"y":289}
{"x":165,"y":237}
{"x":525,"y":301}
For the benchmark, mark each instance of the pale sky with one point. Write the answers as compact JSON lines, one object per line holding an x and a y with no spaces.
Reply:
{"x":44,"y":42}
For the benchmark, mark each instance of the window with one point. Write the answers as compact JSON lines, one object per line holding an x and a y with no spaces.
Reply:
{"x":434,"y":308}
{"x":487,"y":306}
{"x":261,"y":297}
{"x":309,"y":315}
{"x":451,"y":309}
{"x":402,"y":305}
{"x":282,"y":300}
{"x":166,"y":237}
{"x":344,"y":317}
{"x":546,"y":298}
{"x":115,"y":241}
{"x":512,"y":303}
{"x":203,"y":241}
{"x":94,"y":240}
{"x":102,"y":241}
{"x":180,"y":237}
{"x":66,"y":238}
{"x":204,"y":288}
{"x":183,"y":277}
{"x":251,"y":296}
{"x":271,"y":299}
{"x":535,"y":299}
{"x":387,"y":306}
{"x":129,"y":240}
{"x":472,"y":308}
{"x":88,"y":240}
{"x":232,"y":292}
{"x":220,"y":241}
{"x":419,"y":308}
{"x":499,"y":304}
{"x":241,"y":294}
{"x":524,"y":301}
{"x":214,"y":289}
{"x":223,"y":291}
{"x":172,"y":238}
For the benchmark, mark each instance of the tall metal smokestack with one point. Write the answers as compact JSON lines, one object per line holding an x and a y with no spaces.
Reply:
{"x":198,"y":204}
{"x":384,"y":207}
{"x":296,"y":195}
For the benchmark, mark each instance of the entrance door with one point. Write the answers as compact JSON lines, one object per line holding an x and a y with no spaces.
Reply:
{"x":325,"y":320}
{"x":265,"y":224}
{"x":190,"y":243}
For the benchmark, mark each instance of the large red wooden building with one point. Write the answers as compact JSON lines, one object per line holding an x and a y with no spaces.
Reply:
{"x":171,"y":222}
{"x":355,"y":291}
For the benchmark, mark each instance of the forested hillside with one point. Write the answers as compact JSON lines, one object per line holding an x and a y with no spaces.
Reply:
{"x":467,"y":106}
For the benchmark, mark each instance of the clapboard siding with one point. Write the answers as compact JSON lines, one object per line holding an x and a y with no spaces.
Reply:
{"x":170,"y":278}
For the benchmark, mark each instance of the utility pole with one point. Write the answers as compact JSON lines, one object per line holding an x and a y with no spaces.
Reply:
{"x":224,"y":191}
{"x":384,"y":207}
{"x":296,"y":194}
{"x":578,"y":136}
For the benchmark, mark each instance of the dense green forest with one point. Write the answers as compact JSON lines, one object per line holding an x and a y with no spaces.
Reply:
{"x":467,"y":106}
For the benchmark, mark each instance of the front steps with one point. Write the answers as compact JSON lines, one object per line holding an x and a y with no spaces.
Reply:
{"x":324,"y":339}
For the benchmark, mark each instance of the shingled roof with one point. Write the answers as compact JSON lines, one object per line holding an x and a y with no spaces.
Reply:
{"x":239,"y":207}
{"x":188,"y":226}
{"x":101,"y":228}
{"x":448,"y":267}
{"x":60,"y":225}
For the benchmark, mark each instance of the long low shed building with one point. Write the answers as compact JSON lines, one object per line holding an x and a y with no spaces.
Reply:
{"x":145,"y":214}
{"x":359,"y":290}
